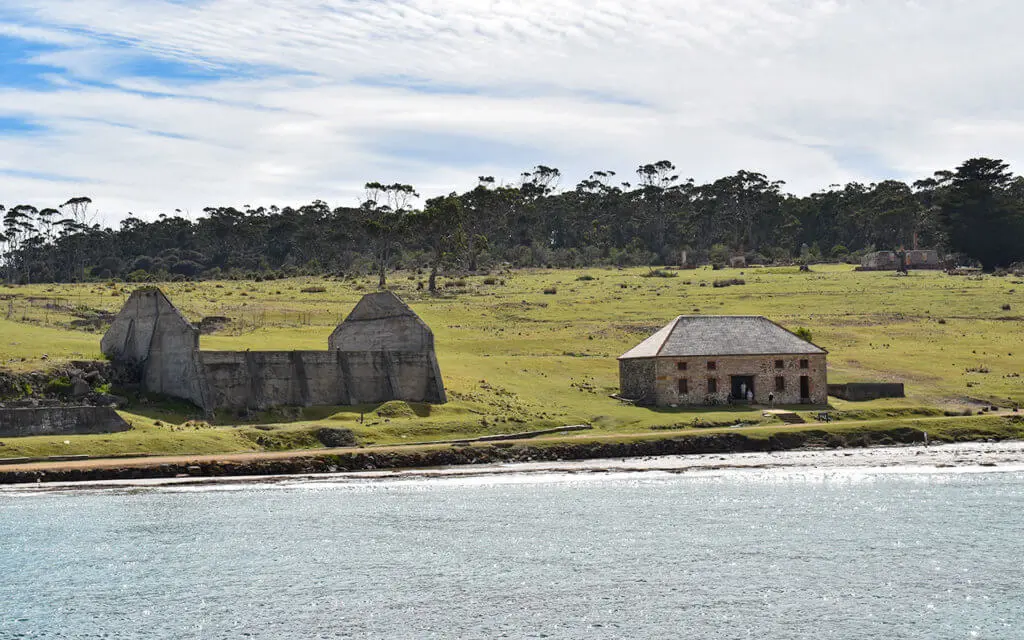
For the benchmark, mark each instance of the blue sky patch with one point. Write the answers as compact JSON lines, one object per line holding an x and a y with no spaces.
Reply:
{"x":16,"y":70}
{"x":18,"y":126}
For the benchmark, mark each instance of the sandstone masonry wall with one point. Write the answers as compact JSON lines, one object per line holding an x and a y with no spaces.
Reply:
{"x":761,"y":368}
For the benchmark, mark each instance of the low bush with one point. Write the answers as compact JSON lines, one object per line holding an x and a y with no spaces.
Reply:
{"x":314,"y":290}
{"x":660,"y":273}
{"x":551,"y":291}
{"x":728,"y":282}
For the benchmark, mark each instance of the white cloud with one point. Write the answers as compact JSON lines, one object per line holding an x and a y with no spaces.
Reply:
{"x":311,"y":104}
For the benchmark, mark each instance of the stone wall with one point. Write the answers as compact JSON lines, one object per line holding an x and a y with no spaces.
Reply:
{"x":636,"y":379}
{"x":762,"y":368}
{"x":879,"y":261}
{"x":47,"y":421}
{"x":890,"y":260}
{"x":860,"y":391}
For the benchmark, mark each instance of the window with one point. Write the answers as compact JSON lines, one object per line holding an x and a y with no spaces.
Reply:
{"x":684,"y":385}
{"x":681,"y":366}
{"x":712,"y":365}
{"x":712,"y":385}
{"x":779,"y":364}
{"x":803,"y":364}
{"x":780,"y":383}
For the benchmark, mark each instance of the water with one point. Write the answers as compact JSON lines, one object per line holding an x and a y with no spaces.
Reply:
{"x":733,"y":555}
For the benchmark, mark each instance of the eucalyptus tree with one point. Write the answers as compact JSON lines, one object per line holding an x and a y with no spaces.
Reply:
{"x":384,"y":211}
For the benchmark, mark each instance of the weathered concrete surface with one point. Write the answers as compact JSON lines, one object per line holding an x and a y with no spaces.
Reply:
{"x":150,"y":333}
{"x":46,"y":421}
{"x":383,"y":351}
{"x":390,"y":352}
{"x":860,"y":391}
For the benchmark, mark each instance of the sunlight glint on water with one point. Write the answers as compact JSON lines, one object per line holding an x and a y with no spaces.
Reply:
{"x":741,"y":555}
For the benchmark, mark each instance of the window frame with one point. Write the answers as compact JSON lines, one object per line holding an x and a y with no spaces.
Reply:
{"x":780,"y":364}
{"x":681,"y":366}
{"x":805,"y":363}
{"x":712,"y":385}
{"x":712,"y":365}
{"x":780,"y":384}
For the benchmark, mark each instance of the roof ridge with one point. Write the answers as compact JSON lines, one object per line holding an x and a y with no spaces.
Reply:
{"x":668,"y":334}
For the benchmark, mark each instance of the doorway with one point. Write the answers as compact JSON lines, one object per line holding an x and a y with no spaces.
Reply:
{"x":741,"y":385}
{"x":805,"y":387}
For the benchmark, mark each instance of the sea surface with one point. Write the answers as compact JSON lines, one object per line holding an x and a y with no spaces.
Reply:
{"x":734,"y":554}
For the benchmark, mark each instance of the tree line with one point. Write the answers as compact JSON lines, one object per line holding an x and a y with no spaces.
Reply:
{"x":975,"y":212}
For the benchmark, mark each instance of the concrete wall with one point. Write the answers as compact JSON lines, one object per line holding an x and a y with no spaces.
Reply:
{"x":860,"y":391}
{"x":46,"y":421}
{"x":150,"y":332}
{"x":383,"y":351}
{"x":264,"y":379}
{"x":762,"y":368}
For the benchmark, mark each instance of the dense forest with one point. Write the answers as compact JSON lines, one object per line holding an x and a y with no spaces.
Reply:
{"x":975,"y":213}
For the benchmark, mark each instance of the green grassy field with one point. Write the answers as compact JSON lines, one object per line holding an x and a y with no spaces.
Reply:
{"x":515,"y":358}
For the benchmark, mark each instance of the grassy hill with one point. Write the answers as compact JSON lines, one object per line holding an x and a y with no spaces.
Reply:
{"x":515,"y":358}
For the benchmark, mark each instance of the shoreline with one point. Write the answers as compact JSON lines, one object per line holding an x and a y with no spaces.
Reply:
{"x":963,"y":457}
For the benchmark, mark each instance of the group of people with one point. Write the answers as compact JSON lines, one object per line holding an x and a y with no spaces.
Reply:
{"x":749,"y":394}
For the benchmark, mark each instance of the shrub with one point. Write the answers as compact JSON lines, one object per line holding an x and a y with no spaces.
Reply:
{"x":59,"y":386}
{"x":586,"y":278}
{"x":804,"y":333}
{"x":719,"y":256}
{"x":660,"y":273}
{"x":314,"y":290}
{"x":728,"y":282}
{"x":551,"y":291}
{"x":491,"y":281}
{"x":1006,"y":307}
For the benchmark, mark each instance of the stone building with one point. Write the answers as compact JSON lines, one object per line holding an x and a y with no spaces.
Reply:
{"x":710,"y":360}
{"x":890,"y":260}
{"x":382,"y":351}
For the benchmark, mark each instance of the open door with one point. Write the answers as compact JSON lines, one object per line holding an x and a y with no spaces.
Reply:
{"x":805,"y":387}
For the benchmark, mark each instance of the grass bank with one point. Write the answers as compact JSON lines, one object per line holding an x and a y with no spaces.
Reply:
{"x":515,"y":358}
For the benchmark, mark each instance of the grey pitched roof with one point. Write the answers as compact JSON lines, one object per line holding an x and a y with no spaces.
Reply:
{"x":721,"y":336}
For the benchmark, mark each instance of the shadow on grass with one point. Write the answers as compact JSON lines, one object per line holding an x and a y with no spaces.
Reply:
{"x":174,"y":411}
{"x":736,"y":408}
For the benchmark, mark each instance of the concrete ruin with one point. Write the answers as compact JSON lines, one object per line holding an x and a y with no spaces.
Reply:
{"x":382,"y":351}
{"x":863,"y":391}
{"x":59,"y":421}
{"x":890,"y":260}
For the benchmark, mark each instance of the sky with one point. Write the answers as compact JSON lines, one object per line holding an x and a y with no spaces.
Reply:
{"x":148,"y":106}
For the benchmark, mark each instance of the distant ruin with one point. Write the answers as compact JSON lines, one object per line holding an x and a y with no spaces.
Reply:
{"x":890,"y":260}
{"x":382,"y":351}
